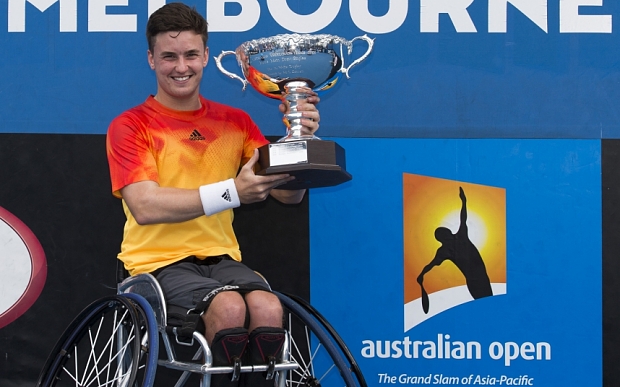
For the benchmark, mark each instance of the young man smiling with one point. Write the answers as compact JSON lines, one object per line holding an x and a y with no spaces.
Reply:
{"x":181,"y":163}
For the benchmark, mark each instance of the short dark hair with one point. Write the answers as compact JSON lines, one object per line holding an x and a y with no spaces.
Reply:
{"x":175,"y":17}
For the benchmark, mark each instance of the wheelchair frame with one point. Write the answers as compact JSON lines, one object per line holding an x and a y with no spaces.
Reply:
{"x":314,"y":355}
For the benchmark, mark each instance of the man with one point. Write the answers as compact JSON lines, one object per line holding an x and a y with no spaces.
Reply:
{"x":459,"y":249}
{"x":180,"y":163}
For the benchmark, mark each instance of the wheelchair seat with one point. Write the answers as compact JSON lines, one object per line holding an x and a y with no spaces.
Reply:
{"x":147,"y":286}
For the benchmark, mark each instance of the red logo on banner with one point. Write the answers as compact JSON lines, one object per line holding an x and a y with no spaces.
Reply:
{"x":24,"y":268}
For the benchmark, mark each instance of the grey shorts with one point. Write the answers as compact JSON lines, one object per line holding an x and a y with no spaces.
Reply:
{"x":184,"y":284}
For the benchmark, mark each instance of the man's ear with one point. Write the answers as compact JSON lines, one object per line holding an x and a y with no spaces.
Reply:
{"x":206,"y":58}
{"x":149,"y":57}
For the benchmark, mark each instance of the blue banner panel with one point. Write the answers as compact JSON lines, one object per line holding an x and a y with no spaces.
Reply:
{"x":464,"y":262}
{"x":466,"y":69}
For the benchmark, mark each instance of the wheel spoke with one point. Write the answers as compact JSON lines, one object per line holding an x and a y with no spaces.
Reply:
{"x":95,"y":372}
{"x":326,"y":373}
{"x":103,"y":346}
{"x":91,"y":355}
{"x":315,"y":347}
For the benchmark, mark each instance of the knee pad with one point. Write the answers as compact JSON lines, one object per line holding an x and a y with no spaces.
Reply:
{"x":228,"y":347}
{"x":266,"y":342}
{"x":265,"y":347}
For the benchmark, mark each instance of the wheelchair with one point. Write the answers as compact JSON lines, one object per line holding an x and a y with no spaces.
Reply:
{"x":115,"y":342}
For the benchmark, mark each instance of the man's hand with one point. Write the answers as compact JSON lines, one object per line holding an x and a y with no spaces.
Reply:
{"x":253,"y":188}
{"x":310,"y":113}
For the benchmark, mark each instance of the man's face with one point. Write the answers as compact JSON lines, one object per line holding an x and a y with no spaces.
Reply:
{"x":178,"y":60}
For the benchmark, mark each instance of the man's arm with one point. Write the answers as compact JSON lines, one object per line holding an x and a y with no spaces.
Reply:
{"x":436,"y":261}
{"x":149,"y":203}
{"x":288,"y":196}
{"x":463,"y":226}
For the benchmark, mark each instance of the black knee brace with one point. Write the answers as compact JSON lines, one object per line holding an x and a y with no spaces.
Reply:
{"x":265,"y":347}
{"x":227,"y":348}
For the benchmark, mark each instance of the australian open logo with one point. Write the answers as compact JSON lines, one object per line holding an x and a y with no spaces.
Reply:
{"x":454,"y":245}
{"x":454,"y":253}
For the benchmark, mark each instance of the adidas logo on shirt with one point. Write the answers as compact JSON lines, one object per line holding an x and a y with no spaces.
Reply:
{"x":226,"y":196}
{"x":196,"y":136}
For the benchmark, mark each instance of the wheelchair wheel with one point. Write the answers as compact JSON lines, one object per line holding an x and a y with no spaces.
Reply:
{"x":108,"y":344}
{"x":149,"y":347}
{"x":323,"y":357}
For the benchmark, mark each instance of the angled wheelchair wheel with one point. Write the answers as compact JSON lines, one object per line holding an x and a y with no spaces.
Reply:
{"x":112,"y":342}
{"x":324,"y":359}
{"x":149,"y":345}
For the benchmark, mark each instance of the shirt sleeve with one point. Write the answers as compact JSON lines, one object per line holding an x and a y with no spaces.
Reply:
{"x":129,"y":151}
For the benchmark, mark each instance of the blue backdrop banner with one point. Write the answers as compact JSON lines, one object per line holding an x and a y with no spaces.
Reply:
{"x":452,"y":68}
{"x":461,"y":262}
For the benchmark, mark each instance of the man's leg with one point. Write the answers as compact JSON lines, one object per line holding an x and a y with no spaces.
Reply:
{"x":266,"y":336}
{"x":265,"y":309}
{"x":226,"y":315}
{"x":227,"y":310}
{"x":188,"y":284}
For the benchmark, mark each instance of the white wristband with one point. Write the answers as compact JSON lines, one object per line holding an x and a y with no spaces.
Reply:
{"x":219,"y":196}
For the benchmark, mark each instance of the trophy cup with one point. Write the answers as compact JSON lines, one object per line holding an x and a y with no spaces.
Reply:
{"x":288,"y":67}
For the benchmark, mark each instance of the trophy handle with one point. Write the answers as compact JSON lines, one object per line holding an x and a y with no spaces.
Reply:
{"x":218,"y":63}
{"x":370,"y":42}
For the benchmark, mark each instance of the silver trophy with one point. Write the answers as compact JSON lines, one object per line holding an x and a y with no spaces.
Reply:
{"x":288,"y":67}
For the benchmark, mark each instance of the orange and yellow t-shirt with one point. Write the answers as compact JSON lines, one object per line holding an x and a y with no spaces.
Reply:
{"x":183,"y":150}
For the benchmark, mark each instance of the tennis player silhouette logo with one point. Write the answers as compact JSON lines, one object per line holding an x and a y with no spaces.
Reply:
{"x":454,"y":245}
{"x":460,"y":250}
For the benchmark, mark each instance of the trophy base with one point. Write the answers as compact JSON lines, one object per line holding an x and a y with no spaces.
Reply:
{"x":314,"y":163}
